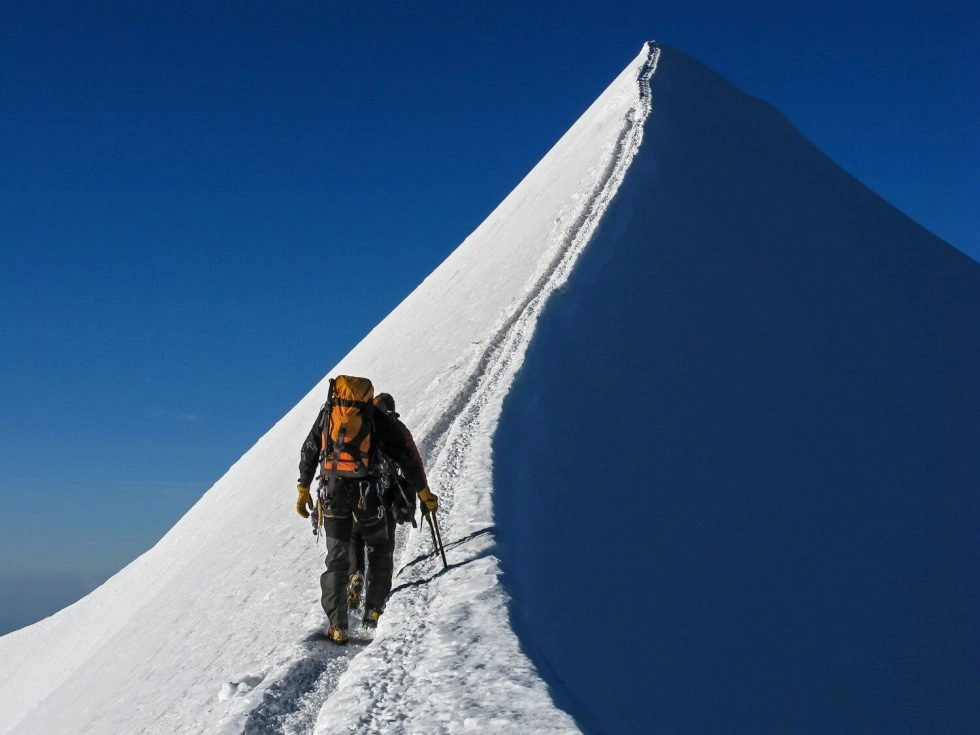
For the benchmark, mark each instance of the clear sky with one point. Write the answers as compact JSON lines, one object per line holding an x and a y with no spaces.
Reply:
{"x":186,"y":190}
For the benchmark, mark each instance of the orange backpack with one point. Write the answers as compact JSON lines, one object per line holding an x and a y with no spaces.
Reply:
{"x":346,"y":438}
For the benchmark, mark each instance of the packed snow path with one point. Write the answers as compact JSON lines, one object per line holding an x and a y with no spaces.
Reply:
{"x":443,"y":657}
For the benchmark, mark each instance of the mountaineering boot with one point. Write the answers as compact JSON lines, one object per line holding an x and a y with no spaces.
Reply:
{"x":354,"y":587}
{"x":371,"y":617}
{"x":338,"y":635}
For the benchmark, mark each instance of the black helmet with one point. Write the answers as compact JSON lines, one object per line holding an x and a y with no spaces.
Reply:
{"x":385,"y":402}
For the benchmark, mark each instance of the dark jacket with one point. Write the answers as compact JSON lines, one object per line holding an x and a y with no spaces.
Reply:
{"x":390,"y":436}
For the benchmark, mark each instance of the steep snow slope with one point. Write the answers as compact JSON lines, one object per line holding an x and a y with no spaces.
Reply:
{"x":774,"y":531}
{"x":752,"y":504}
{"x":209,"y":631}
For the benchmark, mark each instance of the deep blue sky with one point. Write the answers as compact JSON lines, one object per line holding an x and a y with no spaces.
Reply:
{"x":182,"y":186}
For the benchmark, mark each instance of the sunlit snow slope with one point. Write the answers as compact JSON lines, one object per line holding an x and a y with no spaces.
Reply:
{"x":210,"y":631}
{"x":752,"y":503}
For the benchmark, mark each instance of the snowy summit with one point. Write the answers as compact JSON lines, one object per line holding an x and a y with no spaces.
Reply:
{"x":701,"y":413}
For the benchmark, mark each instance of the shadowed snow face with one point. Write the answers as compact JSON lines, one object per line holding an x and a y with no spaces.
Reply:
{"x":736,"y":476}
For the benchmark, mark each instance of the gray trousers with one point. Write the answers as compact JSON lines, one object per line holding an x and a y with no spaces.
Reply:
{"x":338,"y":524}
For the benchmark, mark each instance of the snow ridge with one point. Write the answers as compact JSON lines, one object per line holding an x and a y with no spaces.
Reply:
{"x":441,"y":631}
{"x":561,"y":263}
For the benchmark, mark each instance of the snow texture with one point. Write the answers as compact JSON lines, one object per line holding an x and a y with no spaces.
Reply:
{"x":701,"y":412}
{"x":770,"y":452}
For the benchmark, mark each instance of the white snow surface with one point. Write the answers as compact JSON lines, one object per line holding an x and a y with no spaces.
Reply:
{"x":214,"y":629}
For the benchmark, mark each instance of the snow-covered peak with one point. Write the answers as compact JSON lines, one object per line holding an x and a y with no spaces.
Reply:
{"x":701,"y":410}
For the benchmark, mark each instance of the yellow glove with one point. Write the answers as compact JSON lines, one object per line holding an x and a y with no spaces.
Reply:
{"x":304,"y":503}
{"x":430,"y":501}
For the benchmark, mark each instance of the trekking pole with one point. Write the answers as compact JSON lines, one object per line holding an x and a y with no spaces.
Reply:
{"x":436,"y":537}
{"x":442,"y":548}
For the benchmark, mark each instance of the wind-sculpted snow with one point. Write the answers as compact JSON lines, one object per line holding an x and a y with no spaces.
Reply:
{"x":214,"y":629}
{"x":751,"y":504}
